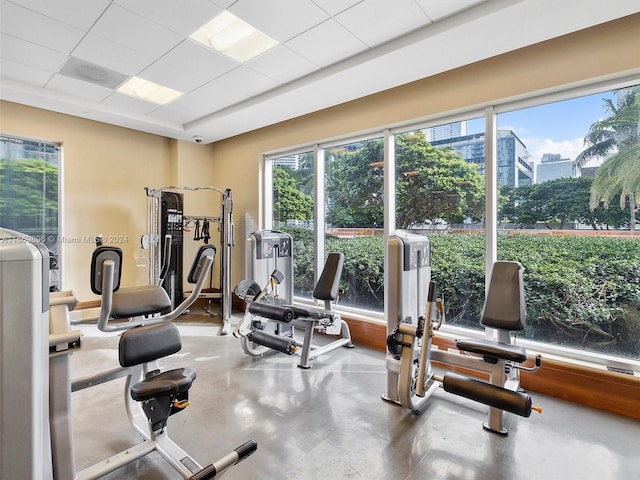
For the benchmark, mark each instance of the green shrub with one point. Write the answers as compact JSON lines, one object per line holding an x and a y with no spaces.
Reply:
{"x":581,"y":292}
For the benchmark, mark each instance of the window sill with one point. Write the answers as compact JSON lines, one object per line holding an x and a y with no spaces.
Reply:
{"x":576,"y":381}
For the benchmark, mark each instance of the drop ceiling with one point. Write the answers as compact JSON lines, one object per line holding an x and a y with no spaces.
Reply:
{"x":69,"y":56}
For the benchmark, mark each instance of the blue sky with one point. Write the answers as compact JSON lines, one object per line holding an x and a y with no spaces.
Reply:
{"x":558,"y":127}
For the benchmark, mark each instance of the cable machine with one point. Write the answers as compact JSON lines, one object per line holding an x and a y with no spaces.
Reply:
{"x":225,"y":220}
{"x":171,"y":225}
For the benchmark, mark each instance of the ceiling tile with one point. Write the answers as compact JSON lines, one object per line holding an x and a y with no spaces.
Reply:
{"x":111,"y":55}
{"x":205,"y":100}
{"x":148,"y":37}
{"x":170,"y":114}
{"x":135,"y":32}
{"x":225,"y":91}
{"x":223,"y":3}
{"x":169,"y":76}
{"x":333,"y":7}
{"x":37,"y":56}
{"x":282,"y":64}
{"x":202,"y":63}
{"x":244,"y":80}
{"x":79,"y":13}
{"x":130,"y":104}
{"x":378,"y":21}
{"x":326,"y":44}
{"x":437,"y":9}
{"x":177,"y":16}
{"x":78,"y":88}
{"x":36,"y":28}
{"x":23,"y":73}
{"x":280,"y":19}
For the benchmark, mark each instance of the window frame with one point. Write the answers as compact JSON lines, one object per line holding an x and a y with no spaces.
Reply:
{"x":490,"y":112}
{"x":58,"y":282}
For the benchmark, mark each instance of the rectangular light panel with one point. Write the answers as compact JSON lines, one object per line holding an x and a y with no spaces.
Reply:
{"x":151,"y":92}
{"x":233,"y":37}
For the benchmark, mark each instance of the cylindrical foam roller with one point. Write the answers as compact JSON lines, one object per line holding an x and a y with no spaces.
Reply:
{"x":492,"y":395}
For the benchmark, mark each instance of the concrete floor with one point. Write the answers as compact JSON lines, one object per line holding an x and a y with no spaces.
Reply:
{"x":329,"y":422}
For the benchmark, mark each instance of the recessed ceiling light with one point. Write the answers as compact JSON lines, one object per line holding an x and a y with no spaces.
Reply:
{"x":151,"y":92}
{"x":233,"y":37}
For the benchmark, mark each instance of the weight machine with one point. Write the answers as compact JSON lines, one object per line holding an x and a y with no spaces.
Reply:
{"x":411,"y":379}
{"x":151,"y":396}
{"x":269,"y":260}
{"x":155,"y":231}
{"x":25,"y":450}
{"x":271,"y":318}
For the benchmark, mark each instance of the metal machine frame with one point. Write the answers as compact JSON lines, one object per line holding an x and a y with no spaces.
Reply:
{"x":411,"y":379}
{"x":226,"y":243}
{"x":143,"y":368}
{"x":271,"y":317}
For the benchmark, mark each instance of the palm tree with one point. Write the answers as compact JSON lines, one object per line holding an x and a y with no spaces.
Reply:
{"x":617,"y":139}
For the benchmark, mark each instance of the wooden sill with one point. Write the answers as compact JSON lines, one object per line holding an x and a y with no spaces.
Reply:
{"x":593,"y":387}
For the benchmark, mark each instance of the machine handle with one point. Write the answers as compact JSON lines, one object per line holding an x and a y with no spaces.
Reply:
{"x":432,"y":292}
{"x":232,"y":458}
{"x":166,"y":259}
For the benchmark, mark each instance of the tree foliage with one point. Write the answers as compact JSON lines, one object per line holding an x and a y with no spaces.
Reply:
{"x":355,"y":186}
{"x":433,"y":185}
{"x":289,"y":203}
{"x":616,"y":139}
{"x":561,"y":201}
{"x":29,"y":199}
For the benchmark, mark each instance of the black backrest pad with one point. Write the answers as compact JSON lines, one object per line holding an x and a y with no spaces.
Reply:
{"x":329,"y":282}
{"x":143,"y":300}
{"x":100,"y":255}
{"x":205,"y":250}
{"x":505,"y":306}
{"x":147,"y":343}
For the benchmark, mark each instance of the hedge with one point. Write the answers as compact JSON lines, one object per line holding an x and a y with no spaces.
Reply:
{"x":581,"y":292}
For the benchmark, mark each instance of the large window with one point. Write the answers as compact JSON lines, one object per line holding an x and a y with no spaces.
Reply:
{"x":574,"y":228}
{"x":293,"y":212}
{"x":29,"y":181}
{"x":440,"y":190}
{"x":354,"y":219}
{"x":554,"y":186}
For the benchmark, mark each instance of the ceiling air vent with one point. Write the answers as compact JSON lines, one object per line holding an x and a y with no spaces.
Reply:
{"x":88,"y":72}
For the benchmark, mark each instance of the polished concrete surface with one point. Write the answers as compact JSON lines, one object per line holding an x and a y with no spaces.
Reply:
{"x":329,"y":422}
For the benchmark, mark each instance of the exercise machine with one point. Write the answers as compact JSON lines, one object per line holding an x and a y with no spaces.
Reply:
{"x":269,"y":260}
{"x":157,"y":218}
{"x":24,"y":307}
{"x":144,"y":316}
{"x":171,"y":242}
{"x":495,"y":360}
{"x":271,"y":318}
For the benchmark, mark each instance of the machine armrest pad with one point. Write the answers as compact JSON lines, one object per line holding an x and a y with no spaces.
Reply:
{"x":488,"y":348}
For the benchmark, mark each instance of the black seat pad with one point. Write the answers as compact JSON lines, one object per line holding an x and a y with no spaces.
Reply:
{"x":487,"y":348}
{"x":170,"y":383}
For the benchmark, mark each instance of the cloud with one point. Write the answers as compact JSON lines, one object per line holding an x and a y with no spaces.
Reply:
{"x":566,"y":148}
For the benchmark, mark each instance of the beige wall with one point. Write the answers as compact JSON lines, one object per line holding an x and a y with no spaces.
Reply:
{"x":106,"y":167}
{"x":602,"y":51}
{"x":105,"y":170}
